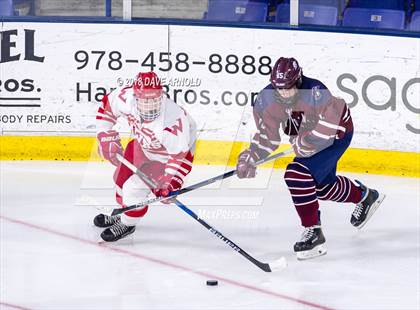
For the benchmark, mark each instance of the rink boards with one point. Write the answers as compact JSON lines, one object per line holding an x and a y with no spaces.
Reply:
{"x":207,"y":153}
{"x":52,"y":76}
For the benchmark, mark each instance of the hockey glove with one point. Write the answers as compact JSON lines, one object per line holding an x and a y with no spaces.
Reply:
{"x":167,"y":184}
{"x":301,"y":147}
{"x":244,"y":168}
{"x":110,"y":146}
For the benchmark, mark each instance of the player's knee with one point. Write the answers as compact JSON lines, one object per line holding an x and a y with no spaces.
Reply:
{"x":288,"y":170}
{"x":134,"y":191}
{"x":287,"y":175}
{"x":297,"y":175}
{"x":323,"y":192}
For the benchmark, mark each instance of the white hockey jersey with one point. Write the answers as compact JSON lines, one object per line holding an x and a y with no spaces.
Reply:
{"x":169,"y":139}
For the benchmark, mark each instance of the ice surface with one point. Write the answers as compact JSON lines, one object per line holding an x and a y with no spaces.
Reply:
{"x":50,"y":258}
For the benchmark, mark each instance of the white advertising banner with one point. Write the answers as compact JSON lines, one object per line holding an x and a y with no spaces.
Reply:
{"x":53,"y":75}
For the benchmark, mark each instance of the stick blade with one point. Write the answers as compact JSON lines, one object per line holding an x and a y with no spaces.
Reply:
{"x":264,"y":266}
{"x":279,"y":264}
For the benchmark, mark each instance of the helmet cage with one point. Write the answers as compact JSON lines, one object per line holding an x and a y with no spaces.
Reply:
{"x":285,"y":100}
{"x":149,"y":108}
{"x":147,"y":91}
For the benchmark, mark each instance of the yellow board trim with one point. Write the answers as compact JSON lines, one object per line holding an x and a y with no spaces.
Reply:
{"x":207,"y":153}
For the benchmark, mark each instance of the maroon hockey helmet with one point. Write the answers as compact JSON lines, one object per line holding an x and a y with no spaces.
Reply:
{"x":286,"y":73}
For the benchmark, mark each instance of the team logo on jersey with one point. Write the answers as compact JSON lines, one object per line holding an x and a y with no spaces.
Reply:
{"x":175,"y":128}
{"x":134,"y":123}
{"x":148,"y":141}
{"x":145,"y":136}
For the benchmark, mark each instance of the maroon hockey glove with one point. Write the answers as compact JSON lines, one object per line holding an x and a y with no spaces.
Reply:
{"x":244,"y":168}
{"x":110,"y":145}
{"x":167,"y":184}
{"x":301,"y":147}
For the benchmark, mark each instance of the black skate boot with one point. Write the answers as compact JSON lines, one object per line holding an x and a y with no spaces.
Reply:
{"x":116,"y":232}
{"x":365,"y":209}
{"x":312,"y":243}
{"x":103,"y":220}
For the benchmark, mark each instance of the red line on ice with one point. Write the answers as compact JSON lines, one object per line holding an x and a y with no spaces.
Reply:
{"x":13,"y":306}
{"x":168,"y":264}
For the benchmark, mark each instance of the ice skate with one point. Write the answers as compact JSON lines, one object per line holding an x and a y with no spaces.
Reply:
{"x":312,"y":243}
{"x":103,"y":220}
{"x":117,"y":232}
{"x":365,"y":209}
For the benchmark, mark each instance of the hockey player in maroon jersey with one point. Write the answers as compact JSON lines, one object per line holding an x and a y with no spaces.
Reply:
{"x":320,"y":129}
{"x":162,"y":148}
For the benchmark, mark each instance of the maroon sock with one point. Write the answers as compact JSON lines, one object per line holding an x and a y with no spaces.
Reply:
{"x":302,"y":188}
{"x":343,"y":190}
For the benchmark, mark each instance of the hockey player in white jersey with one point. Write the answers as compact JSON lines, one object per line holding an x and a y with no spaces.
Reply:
{"x":162,"y":148}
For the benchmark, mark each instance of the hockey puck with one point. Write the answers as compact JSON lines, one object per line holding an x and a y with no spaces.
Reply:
{"x":212,"y":282}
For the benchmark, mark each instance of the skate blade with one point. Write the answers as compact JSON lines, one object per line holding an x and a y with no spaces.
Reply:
{"x":122,"y":241}
{"x":101,"y":241}
{"x":373,"y":209}
{"x":319,"y":250}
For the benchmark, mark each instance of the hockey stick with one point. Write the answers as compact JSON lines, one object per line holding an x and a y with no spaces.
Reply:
{"x":264,"y":266}
{"x":197,"y":185}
